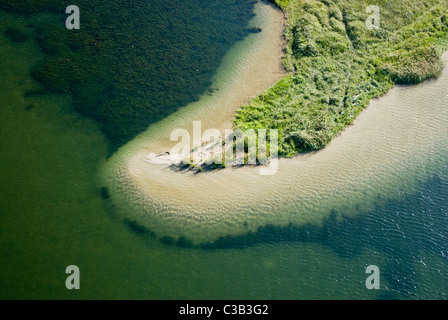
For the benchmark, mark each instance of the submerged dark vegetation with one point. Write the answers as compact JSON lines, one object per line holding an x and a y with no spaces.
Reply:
{"x":133,"y":62}
{"x":338,"y":65}
{"x":398,"y":235}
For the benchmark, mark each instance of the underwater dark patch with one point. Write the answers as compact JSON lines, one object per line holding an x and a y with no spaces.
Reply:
{"x":122,"y":67}
{"x":104,"y":191}
{"x":16,"y":35}
{"x":137,"y":228}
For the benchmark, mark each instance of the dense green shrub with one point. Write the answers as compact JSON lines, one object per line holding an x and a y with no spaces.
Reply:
{"x":339,"y":65}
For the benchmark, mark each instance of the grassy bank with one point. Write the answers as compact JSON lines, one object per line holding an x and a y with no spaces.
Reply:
{"x":338,"y":65}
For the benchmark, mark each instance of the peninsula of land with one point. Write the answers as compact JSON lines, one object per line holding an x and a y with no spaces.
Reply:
{"x":336,"y":67}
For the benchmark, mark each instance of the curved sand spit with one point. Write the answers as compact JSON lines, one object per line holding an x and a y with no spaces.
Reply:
{"x":384,"y":153}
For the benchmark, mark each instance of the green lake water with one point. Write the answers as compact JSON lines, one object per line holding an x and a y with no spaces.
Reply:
{"x":52,"y":215}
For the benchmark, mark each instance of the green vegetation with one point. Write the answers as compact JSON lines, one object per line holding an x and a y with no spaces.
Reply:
{"x":338,"y":65}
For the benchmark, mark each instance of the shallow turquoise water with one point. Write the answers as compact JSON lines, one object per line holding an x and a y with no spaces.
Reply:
{"x":52,"y":215}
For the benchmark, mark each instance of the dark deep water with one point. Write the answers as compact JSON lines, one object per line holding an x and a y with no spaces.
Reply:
{"x":52,"y":214}
{"x":132,"y":62}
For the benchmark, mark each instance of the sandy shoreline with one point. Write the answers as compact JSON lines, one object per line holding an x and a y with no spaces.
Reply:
{"x":388,"y":145}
